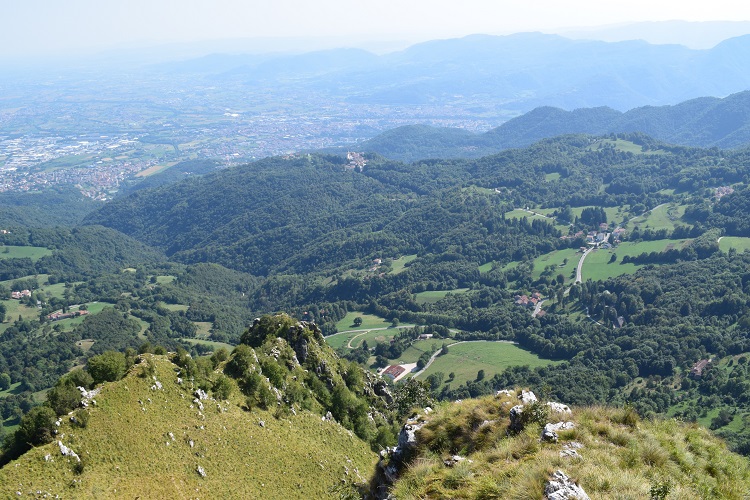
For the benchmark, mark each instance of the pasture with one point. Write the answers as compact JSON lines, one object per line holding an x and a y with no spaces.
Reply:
{"x":17,"y":252}
{"x":740,"y":244}
{"x":661,"y":217}
{"x":465,"y":359}
{"x":597,"y":266}
{"x":433,"y":296}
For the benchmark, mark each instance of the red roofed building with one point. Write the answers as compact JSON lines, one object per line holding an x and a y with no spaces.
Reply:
{"x":394,"y":371}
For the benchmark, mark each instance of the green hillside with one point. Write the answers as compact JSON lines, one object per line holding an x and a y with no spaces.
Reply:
{"x":147,"y":442}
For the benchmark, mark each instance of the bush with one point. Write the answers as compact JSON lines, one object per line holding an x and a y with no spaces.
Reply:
{"x":107,"y":367}
{"x":222,"y":387}
{"x":63,"y":397}
{"x":37,"y":426}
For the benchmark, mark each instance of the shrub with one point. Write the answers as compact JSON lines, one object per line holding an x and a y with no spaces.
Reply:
{"x":107,"y":367}
{"x":37,"y":426}
{"x":222,"y":387}
{"x":63,"y":397}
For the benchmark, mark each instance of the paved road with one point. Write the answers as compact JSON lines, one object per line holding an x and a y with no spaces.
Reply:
{"x":537,"y":308}
{"x":580,"y":265}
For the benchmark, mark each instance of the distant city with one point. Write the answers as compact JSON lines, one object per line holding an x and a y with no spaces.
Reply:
{"x":95,"y":142}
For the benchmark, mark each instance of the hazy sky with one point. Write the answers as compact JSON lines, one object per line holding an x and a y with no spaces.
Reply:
{"x":36,"y":27}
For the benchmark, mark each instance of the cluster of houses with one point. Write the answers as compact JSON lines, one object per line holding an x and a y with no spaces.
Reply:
{"x":723,"y":191}
{"x":57,"y":316}
{"x":356,"y":161}
{"x":526,"y":301}
{"x":20,"y":295}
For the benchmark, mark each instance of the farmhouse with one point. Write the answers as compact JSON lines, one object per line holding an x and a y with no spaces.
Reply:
{"x":393,"y":371}
{"x":697,"y":370}
{"x":57,"y":316}
{"x":21,"y":294}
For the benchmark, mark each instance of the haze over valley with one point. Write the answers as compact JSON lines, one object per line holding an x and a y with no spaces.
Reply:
{"x":338,"y":251}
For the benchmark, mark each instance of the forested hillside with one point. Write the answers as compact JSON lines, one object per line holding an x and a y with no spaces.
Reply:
{"x":413,"y":258}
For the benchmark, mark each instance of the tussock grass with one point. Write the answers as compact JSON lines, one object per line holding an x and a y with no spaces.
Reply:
{"x":622,"y":457}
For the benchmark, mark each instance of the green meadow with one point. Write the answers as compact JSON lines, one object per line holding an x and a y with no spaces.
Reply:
{"x":465,"y":359}
{"x":597,"y":266}
{"x":16,"y":252}
{"x":433,"y":296}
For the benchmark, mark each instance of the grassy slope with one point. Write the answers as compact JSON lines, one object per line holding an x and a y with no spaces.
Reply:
{"x":432,"y":296}
{"x":125,"y":451}
{"x":16,"y":252}
{"x":597,"y":266}
{"x":739,"y":243}
{"x":467,"y":358}
{"x":557,"y":258}
{"x":618,"y":460}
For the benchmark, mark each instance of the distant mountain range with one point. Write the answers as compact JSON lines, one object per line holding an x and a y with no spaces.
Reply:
{"x":499,"y":75}
{"x":702,"y":122}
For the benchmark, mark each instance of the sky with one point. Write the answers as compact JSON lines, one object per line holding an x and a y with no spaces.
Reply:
{"x":56,"y":27}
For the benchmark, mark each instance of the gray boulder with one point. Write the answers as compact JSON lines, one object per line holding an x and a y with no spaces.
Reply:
{"x":561,"y":487}
{"x":516,"y":423}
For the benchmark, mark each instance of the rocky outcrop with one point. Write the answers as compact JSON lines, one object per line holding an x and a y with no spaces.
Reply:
{"x":549,"y":433}
{"x":527,"y":397}
{"x":516,"y":419}
{"x":393,"y":459}
{"x":381,"y":389}
{"x":67,"y":452}
{"x":561,"y":487}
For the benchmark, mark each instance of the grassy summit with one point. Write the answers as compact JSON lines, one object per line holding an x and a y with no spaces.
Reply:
{"x":150,"y":442}
{"x":616,"y":456}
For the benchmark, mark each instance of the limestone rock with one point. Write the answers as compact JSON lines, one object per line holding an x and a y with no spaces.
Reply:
{"x":560,"y":426}
{"x":381,"y":389}
{"x":560,"y":487}
{"x":301,"y":348}
{"x":67,"y":452}
{"x":450,"y":462}
{"x":558,"y":408}
{"x":504,"y":392}
{"x":527,"y":397}
{"x":200,"y":394}
{"x":201,"y":471}
{"x":516,"y":424}
{"x":549,"y":436}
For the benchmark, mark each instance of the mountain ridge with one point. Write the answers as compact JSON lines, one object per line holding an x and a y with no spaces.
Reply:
{"x":700,"y":122}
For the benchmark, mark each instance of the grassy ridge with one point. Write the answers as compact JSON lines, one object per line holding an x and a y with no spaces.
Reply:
{"x":620,"y":456}
{"x":127,"y":450}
